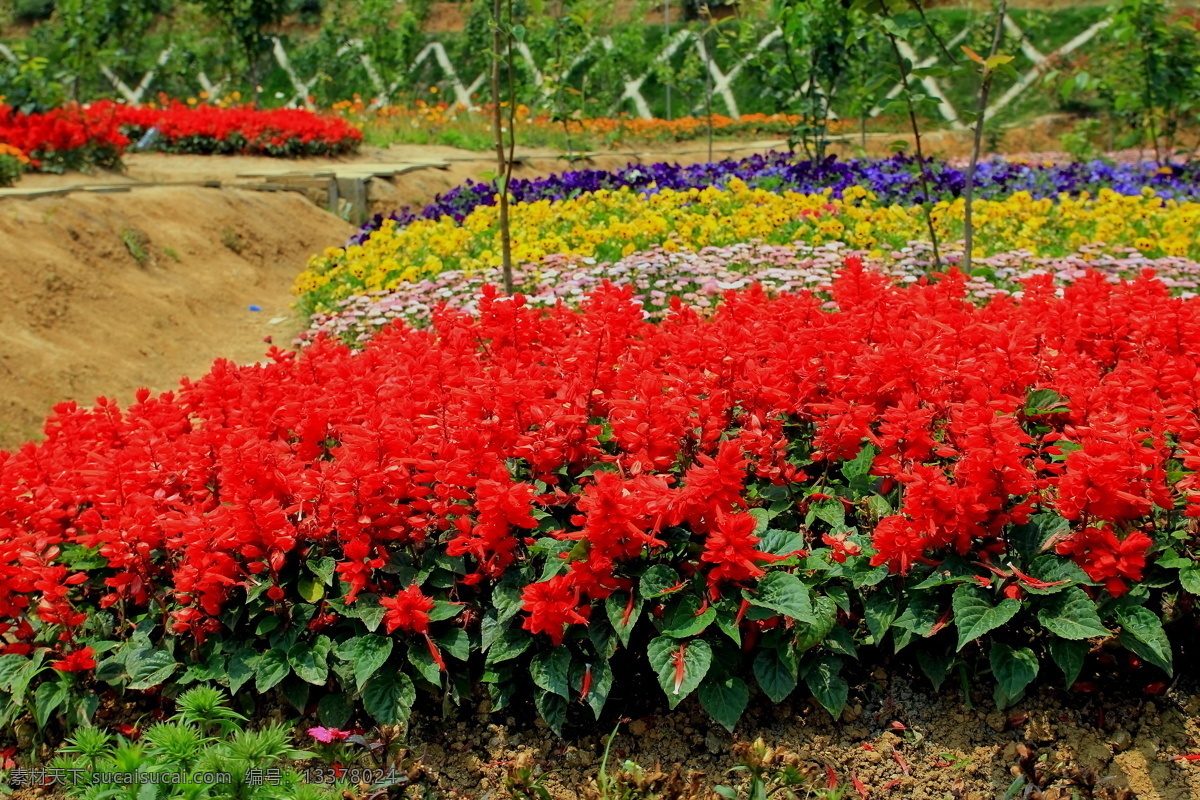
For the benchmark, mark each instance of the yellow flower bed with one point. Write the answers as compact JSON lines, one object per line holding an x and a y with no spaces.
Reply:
{"x":610,"y":224}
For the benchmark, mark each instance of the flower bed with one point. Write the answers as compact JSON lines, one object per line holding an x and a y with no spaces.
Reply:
{"x":609,"y":224}
{"x":218,"y":130}
{"x":702,"y":278}
{"x":95,"y":136}
{"x":69,"y":138}
{"x":893,"y":180}
{"x":548,"y":500}
{"x":422,"y":119}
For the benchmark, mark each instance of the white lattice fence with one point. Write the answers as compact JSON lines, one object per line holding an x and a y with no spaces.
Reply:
{"x":435,"y":56}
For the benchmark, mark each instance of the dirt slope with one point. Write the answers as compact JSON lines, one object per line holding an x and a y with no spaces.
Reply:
{"x":105,"y":293}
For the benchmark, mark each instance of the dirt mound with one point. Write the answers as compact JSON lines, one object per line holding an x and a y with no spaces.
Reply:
{"x":106,"y":293}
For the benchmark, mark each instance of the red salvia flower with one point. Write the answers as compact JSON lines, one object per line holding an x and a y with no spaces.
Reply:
{"x":407,"y":611}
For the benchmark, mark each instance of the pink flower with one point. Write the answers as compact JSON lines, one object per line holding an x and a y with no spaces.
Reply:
{"x":327,"y":735}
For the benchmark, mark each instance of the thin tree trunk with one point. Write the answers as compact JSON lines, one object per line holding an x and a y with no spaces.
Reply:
{"x":984,"y":90}
{"x":708,"y":87}
{"x":512,"y":106}
{"x":502,"y":164}
{"x":916,"y":129}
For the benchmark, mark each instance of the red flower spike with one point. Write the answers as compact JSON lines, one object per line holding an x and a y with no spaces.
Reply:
{"x":680,"y":665}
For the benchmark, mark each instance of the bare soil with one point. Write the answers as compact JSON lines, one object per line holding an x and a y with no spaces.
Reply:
{"x":897,"y":738}
{"x":106,"y":293}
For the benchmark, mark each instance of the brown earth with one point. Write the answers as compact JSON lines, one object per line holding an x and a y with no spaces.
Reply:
{"x":897,"y":738}
{"x":85,"y":316}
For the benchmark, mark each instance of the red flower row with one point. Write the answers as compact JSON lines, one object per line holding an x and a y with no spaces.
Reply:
{"x":71,"y":137}
{"x":242,"y":129}
{"x":461,"y":436}
{"x":75,"y":136}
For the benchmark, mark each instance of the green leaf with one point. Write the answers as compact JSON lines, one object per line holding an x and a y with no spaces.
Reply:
{"x":682,"y":618}
{"x":148,"y":666}
{"x":952,"y":570}
{"x":1030,"y":539}
{"x":785,"y":593}
{"x":388,"y":697}
{"x":616,"y":606}
{"x":780,"y":542}
{"x":880,"y":609}
{"x":724,"y":699}
{"x":997,"y":61}
{"x":368,"y":653}
{"x":601,"y":635}
{"x":311,"y":662}
{"x":602,"y":680}
{"x":241,"y":668}
{"x":727,"y":621}
{"x":1189,"y":579}
{"x":553,"y":709}
{"x":47,"y":699}
{"x":831,"y":512}
{"x":919,"y":617}
{"x":296,"y":692}
{"x":1143,"y":634}
{"x":1054,"y":569}
{"x":311,"y":589}
{"x":935,"y":662}
{"x":10,"y":665}
{"x":1071,"y":614}
{"x":456,"y":642}
{"x":827,"y":685}
{"x":824,"y":618}
{"x":323,"y":568}
{"x":858,"y":471}
{"x":335,"y":709}
{"x":506,"y":598}
{"x":975,"y":615}
{"x":668,"y":654}
{"x":271,"y":669}
{"x":552,"y":671}
{"x":443,"y":610}
{"x":508,"y":645}
{"x":657,"y":581}
{"x":1069,"y":655}
{"x":427,"y":668}
{"x":775,"y":669}
{"x":1013,"y":669}
{"x":367,"y":609}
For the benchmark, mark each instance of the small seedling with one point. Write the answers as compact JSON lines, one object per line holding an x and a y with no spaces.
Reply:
{"x":135,"y":242}
{"x":232,"y":240}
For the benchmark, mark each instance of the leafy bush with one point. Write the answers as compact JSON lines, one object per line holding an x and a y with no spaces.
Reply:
{"x":555,"y":500}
